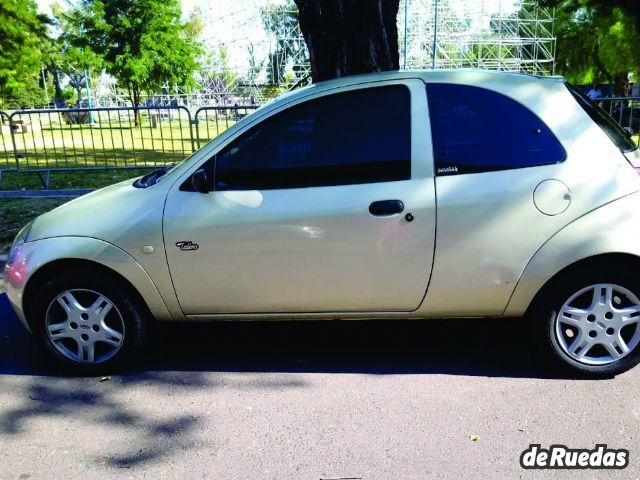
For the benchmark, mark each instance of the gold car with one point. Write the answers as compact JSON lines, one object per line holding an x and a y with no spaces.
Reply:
{"x":425,"y":195}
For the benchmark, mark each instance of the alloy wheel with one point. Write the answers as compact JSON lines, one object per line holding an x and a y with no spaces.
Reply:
{"x":85,"y":326}
{"x":599,"y":324}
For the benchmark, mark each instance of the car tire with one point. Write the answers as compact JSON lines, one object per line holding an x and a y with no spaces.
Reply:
{"x":90,"y":324}
{"x":591,"y":320}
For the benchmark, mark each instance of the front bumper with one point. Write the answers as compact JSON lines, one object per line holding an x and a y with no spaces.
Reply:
{"x":3,"y":290}
{"x":12,"y":283}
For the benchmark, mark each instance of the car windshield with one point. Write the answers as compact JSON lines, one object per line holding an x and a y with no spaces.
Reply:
{"x":615,"y":132}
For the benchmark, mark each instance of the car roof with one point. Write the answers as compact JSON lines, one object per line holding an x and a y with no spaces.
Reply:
{"x":460,"y":76}
{"x":440,"y":75}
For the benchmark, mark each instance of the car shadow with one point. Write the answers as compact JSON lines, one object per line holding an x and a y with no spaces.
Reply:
{"x":476,"y":347}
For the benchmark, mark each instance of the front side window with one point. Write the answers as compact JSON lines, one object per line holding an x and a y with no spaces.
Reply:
{"x":478,"y":130}
{"x":349,"y":138}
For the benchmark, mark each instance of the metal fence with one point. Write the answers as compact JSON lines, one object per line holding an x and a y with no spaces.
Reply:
{"x":6,"y":153}
{"x":624,"y":110}
{"x":153,"y":136}
{"x":108,"y":138}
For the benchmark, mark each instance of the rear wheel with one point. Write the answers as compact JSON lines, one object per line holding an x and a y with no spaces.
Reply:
{"x":593,"y":322}
{"x":89,"y":324}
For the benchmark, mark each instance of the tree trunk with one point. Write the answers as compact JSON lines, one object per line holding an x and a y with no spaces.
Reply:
{"x":348,"y":37}
{"x":134,"y":95}
{"x":57,"y":95}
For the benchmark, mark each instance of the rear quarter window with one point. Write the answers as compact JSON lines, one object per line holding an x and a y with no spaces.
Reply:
{"x":478,"y":130}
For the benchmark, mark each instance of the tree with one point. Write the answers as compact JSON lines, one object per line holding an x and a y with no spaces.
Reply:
{"x":348,"y":37}
{"x":23,"y":51}
{"x":595,"y":43}
{"x":143,"y":43}
{"x":195,"y":25}
{"x":78,"y":63}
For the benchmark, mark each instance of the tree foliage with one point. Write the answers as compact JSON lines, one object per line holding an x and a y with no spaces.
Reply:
{"x":630,"y":8}
{"x":143,"y":43}
{"x":24,"y":48}
{"x":597,"y":40}
{"x":72,"y":59}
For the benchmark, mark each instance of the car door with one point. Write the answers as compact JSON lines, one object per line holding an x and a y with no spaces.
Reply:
{"x":327,"y":205}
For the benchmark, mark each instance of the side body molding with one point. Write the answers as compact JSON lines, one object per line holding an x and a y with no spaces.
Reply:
{"x":612,"y":228}
{"x":39,"y":253}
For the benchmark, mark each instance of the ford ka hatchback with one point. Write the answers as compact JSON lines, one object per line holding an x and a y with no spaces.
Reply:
{"x":394,"y":195}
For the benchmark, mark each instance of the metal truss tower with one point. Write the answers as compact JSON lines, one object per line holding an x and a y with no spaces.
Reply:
{"x":511,"y":35}
{"x":265,"y":53}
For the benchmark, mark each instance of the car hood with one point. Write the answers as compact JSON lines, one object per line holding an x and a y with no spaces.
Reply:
{"x":120,"y":214}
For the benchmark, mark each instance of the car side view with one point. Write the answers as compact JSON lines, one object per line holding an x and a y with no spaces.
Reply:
{"x":426,"y":195}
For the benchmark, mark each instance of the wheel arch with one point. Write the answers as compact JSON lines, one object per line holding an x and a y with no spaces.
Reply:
{"x":615,"y":260}
{"x":40,"y":259}
{"x":78,"y":265}
{"x":608,"y":233}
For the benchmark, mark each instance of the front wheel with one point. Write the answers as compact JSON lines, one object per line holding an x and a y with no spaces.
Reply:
{"x":593,"y":323}
{"x":88,"y":323}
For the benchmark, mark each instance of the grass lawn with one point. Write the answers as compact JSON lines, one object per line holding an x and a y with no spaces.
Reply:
{"x":17,"y":212}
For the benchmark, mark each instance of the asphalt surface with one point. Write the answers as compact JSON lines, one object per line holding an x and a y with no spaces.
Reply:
{"x":315,"y":400}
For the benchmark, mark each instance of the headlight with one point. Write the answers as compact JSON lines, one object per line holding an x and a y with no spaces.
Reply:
{"x":20,"y":239}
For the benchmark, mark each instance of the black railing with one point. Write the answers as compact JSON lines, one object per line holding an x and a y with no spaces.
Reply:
{"x":108,"y":137}
{"x":624,"y":110}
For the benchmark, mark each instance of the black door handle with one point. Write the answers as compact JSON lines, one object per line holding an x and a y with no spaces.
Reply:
{"x":386,"y":207}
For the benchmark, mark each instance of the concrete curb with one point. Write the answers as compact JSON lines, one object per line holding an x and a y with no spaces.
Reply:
{"x":44,"y":193}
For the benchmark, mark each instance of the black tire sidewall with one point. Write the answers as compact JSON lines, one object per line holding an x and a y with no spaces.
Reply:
{"x":121,"y":297}
{"x":560,"y":292}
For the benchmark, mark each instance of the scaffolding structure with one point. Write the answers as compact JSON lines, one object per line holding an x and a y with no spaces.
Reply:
{"x":255,"y":50}
{"x":510,"y":35}
{"x":265,"y":53}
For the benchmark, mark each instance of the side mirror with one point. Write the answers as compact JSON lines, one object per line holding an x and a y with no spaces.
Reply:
{"x":199,"y":181}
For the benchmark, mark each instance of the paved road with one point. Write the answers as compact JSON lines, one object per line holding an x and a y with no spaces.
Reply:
{"x":368,"y":400}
